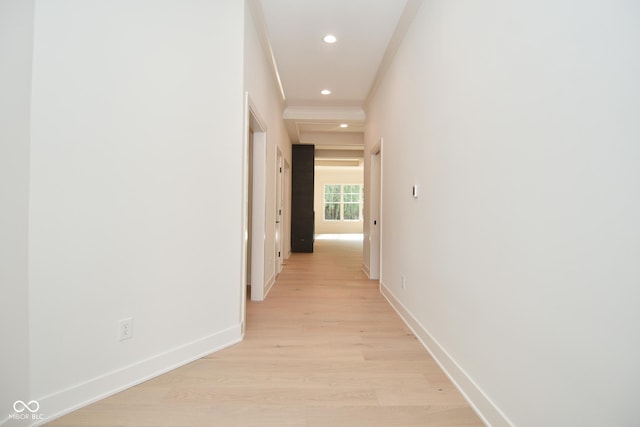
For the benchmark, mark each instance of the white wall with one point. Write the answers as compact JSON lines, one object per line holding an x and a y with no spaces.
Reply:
{"x":16,"y":47}
{"x":519,"y":122}
{"x":137,"y":125}
{"x":260,"y":84}
{"x":334,"y":175}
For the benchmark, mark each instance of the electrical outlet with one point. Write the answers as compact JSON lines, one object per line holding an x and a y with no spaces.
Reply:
{"x":125,"y":329}
{"x":404,"y":282}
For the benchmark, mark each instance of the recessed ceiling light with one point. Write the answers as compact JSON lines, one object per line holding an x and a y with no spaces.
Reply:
{"x":344,"y":125}
{"x":330,"y":38}
{"x":325,"y":92}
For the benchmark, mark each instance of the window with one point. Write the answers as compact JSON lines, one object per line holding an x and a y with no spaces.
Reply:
{"x":343,"y":202}
{"x":351,"y":202}
{"x":332,"y":199}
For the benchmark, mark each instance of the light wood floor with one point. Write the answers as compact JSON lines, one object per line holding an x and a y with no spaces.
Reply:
{"x":324,"y":349}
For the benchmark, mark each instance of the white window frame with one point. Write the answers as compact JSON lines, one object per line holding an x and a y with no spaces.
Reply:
{"x":342,"y":203}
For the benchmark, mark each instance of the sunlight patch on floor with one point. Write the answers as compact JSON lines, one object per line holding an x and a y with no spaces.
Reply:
{"x":349,"y":237}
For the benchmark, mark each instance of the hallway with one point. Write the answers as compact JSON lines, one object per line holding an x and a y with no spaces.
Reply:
{"x":324,"y":349}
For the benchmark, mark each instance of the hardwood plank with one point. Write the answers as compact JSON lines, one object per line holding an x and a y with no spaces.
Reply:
{"x":324,"y":349}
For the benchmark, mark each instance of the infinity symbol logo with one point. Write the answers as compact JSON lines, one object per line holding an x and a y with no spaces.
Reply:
{"x":19,"y":406}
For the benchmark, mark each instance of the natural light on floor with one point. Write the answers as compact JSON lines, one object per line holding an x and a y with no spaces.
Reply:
{"x":352,"y":237}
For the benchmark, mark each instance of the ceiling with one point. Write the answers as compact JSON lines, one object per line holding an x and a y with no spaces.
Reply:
{"x":368,"y":33}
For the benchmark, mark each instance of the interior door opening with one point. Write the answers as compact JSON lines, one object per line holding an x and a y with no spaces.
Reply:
{"x":254,"y":204}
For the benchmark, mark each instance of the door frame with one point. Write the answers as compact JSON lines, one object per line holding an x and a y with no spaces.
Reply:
{"x":255,"y":133}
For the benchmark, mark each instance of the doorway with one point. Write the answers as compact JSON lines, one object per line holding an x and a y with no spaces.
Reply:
{"x":254,"y":207}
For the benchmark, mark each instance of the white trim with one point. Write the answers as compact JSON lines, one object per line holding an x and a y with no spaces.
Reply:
{"x":269,"y":285}
{"x":351,"y":114}
{"x":263,"y":34}
{"x":244,"y":238}
{"x":409,"y":12}
{"x":479,"y":401}
{"x":365,"y":270}
{"x":75,"y":397}
{"x":254,"y":123}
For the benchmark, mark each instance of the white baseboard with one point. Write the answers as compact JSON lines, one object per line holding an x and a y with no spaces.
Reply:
{"x":68,"y":400}
{"x":365,"y":268}
{"x":269,"y":285}
{"x":484,"y":407}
